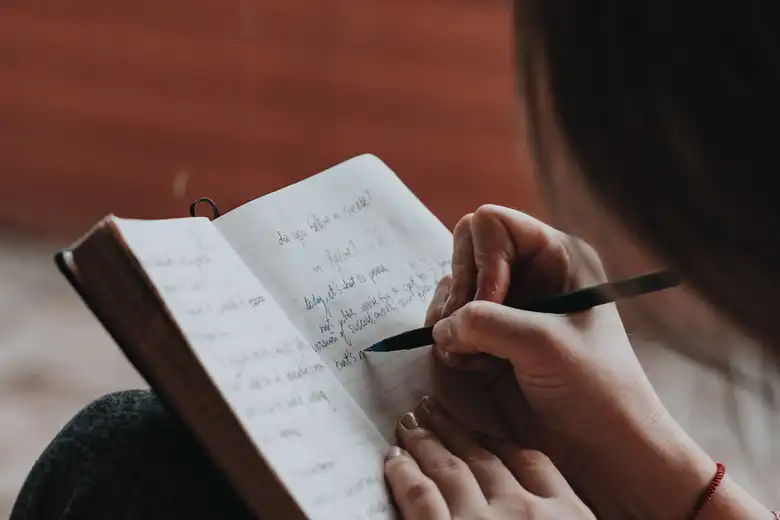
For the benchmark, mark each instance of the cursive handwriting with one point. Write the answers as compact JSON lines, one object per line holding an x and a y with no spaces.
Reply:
{"x":319,"y":222}
{"x":344,"y":319}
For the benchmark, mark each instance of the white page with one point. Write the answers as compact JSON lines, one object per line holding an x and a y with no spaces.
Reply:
{"x":313,"y":435}
{"x":352,"y":256}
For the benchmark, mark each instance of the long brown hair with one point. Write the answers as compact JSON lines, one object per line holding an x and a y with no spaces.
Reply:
{"x":670,"y":109}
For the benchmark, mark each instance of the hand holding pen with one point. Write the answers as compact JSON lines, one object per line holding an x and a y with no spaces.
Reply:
{"x":576,"y":390}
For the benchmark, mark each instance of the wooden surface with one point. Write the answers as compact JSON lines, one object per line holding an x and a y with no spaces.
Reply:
{"x":136,"y":108}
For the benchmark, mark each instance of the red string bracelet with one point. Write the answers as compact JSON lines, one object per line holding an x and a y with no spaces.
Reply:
{"x":710,"y":491}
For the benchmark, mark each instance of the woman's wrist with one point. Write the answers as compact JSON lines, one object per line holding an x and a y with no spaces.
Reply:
{"x":654,"y":468}
{"x":732,"y":502}
{"x":648,"y":469}
{"x":669,"y":474}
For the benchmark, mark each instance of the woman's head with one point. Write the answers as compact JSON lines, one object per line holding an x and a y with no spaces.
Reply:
{"x":665,"y":112}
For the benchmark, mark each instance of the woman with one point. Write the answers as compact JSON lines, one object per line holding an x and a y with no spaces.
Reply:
{"x":662,"y":112}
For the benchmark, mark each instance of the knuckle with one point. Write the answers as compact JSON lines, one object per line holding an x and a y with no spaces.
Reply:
{"x":459,"y":270}
{"x":582,"y":253}
{"x":420,"y":491}
{"x":534,"y":508}
{"x":487,"y":211}
{"x":481,"y":458}
{"x":444,"y":283}
{"x":476,"y":315}
{"x":532,"y":458}
{"x":587,"y":250}
{"x":464,"y":224}
{"x":448,"y":464}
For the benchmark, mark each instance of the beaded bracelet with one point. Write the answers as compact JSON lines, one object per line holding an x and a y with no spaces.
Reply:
{"x":710,"y":491}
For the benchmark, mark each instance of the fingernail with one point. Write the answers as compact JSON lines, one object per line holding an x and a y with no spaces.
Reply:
{"x":442,"y":332}
{"x":393,"y":452}
{"x":409,"y":421}
{"x":430,"y":406}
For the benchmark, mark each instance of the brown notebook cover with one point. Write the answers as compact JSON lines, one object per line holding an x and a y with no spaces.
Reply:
{"x":114,"y":287}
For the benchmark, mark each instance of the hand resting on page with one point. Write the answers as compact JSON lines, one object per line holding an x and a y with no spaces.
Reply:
{"x":444,"y":471}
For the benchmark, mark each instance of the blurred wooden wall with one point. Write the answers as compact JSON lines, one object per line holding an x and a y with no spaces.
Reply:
{"x":135,"y":108}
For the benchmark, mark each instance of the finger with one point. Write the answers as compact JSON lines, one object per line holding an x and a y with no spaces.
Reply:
{"x":533,"y":469}
{"x":493,"y":476}
{"x":468,"y":363}
{"x":464,"y":271}
{"x":494,"y":254}
{"x":503,"y":237}
{"x":477,"y":363}
{"x":526,"y":339}
{"x":452,"y":476}
{"x":433,"y":314}
{"x":416,"y":495}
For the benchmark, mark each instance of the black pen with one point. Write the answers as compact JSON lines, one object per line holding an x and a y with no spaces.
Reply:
{"x":565,"y":303}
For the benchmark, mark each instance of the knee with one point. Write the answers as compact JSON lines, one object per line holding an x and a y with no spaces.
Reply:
{"x":96,"y":448}
{"x":129,"y":418}
{"x":124,"y":452}
{"x":117,"y":430}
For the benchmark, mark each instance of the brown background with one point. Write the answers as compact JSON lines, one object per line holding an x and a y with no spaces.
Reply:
{"x":136,"y":108}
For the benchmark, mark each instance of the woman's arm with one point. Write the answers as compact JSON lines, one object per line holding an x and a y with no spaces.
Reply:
{"x":671,"y":475}
{"x":577,"y":392}
{"x":732,"y":502}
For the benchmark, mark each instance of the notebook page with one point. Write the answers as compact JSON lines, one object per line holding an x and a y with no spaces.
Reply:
{"x":297,"y":414}
{"x":352,"y":256}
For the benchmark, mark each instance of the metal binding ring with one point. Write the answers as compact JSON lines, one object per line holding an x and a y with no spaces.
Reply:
{"x":214,"y":208}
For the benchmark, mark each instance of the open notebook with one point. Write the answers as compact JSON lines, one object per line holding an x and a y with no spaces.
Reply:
{"x":251,"y":326}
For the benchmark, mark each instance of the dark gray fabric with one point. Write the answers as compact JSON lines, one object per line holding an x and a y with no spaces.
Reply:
{"x":125,"y":457}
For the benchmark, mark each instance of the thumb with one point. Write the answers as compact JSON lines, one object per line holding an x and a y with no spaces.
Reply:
{"x":525,"y":339}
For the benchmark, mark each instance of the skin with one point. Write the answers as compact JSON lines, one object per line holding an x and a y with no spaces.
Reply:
{"x":448,"y":472}
{"x":571,"y":389}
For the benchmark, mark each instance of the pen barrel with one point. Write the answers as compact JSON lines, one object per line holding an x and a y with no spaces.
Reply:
{"x":589,"y":297}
